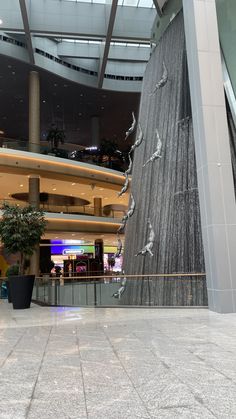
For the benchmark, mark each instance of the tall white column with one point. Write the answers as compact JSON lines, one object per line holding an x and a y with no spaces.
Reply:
{"x":34,"y":112}
{"x":95,"y":131}
{"x":34,"y":200}
{"x":214,"y":169}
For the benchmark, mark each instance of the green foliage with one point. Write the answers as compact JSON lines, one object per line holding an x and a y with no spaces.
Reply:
{"x":21,"y":230}
{"x":12,"y":270}
{"x":56,"y":136}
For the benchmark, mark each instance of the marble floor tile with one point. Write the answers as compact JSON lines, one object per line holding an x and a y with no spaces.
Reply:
{"x":88,"y":363}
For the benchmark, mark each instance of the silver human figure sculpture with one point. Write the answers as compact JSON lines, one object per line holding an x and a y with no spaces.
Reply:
{"x":132,"y":128}
{"x":126,"y":185}
{"x":132,"y":207}
{"x":129,"y":170}
{"x":162,"y":81}
{"x":148,"y":247}
{"x":119,"y":248}
{"x":121,"y":290}
{"x":157,"y":153}
{"x":139,"y":139}
{"x":127,"y":215}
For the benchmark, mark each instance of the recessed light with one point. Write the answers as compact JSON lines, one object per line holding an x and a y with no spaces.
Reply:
{"x":1,"y":21}
{"x":73,"y":184}
{"x":21,"y":185}
{"x":82,"y":193}
{"x":1,"y":132}
{"x":73,"y":234}
{"x":105,"y":198}
{"x":101,"y":189}
{"x":56,"y":237}
{"x":54,"y":189}
{"x":44,"y":101}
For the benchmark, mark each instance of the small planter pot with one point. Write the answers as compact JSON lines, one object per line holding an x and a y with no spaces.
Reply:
{"x":21,"y":290}
{"x":8,"y":291}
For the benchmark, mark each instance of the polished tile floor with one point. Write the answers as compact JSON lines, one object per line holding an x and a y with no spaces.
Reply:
{"x":116,"y":363}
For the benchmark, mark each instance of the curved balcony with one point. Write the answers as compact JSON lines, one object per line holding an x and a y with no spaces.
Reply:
{"x":70,"y":208}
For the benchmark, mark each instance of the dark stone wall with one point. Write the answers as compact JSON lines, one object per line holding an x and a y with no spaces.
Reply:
{"x":166,"y":190}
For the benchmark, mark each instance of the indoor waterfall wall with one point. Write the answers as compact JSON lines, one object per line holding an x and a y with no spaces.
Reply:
{"x":165,"y":190}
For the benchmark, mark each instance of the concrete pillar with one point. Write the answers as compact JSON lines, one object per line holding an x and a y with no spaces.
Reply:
{"x":213,"y":158}
{"x":97,"y":202}
{"x":34,"y":112}
{"x":34,"y":200}
{"x":95,"y":131}
{"x":99,"y":252}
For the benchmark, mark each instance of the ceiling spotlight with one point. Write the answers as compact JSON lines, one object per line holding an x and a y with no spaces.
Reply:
{"x":21,"y":185}
{"x":54,"y":189}
{"x":1,"y":132}
{"x":73,"y":184}
{"x":44,"y":101}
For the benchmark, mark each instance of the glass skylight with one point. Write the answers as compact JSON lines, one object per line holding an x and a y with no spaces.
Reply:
{"x":130,"y":3}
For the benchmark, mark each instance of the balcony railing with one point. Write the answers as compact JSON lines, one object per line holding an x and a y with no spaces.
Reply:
{"x":74,"y":155}
{"x":118,"y":290}
{"x":69,"y":209}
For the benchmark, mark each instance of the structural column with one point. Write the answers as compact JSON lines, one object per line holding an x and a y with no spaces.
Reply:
{"x":214,"y":169}
{"x":95,"y":131}
{"x":34,"y":112}
{"x":97,"y":202}
{"x":34,"y":200}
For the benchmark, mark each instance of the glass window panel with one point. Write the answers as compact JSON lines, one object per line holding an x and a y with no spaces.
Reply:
{"x":130,"y":3}
{"x":145,"y":3}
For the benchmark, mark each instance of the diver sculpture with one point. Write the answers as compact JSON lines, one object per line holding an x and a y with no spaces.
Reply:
{"x":126,"y":185}
{"x":129,"y":170}
{"x":139,"y":139}
{"x":148,"y":247}
{"x":121,"y":290}
{"x":132,"y":128}
{"x":157,"y":153}
{"x":162,"y":81}
{"x":119,"y":248}
{"x":127,"y":215}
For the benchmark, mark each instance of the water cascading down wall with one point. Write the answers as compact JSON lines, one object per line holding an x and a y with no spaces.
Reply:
{"x":166,"y":190}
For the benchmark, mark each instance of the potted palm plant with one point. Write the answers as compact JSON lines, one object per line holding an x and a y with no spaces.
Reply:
{"x":20,"y":231}
{"x":55,"y":136}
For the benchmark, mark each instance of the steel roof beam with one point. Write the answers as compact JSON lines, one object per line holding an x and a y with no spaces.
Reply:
{"x":24,"y":15}
{"x":107,"y":43}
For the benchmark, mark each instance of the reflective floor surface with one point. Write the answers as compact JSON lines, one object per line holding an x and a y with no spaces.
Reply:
{"x":116,"y":363}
